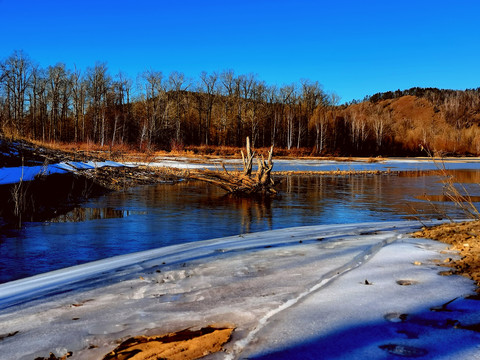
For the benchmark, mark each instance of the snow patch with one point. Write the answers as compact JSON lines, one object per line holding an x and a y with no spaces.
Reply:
{"x":13,"y":175}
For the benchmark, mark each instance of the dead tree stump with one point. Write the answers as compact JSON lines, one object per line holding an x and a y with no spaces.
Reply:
{"x":243,"y":183}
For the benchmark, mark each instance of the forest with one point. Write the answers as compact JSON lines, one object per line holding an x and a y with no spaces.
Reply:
{"x":156,"y":111}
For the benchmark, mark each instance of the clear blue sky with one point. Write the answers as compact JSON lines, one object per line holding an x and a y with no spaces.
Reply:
{"x":354,"y":48}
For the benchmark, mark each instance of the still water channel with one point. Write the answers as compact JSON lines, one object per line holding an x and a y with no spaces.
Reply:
{"x":154,"y":216}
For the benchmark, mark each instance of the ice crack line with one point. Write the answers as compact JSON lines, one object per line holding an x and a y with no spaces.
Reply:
{"x":356,"y":262}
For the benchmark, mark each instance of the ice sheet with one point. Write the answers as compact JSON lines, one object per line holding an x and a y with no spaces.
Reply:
{"x":295,"y":293}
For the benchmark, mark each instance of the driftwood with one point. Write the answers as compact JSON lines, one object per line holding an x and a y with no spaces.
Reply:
{"x":243,"y":183}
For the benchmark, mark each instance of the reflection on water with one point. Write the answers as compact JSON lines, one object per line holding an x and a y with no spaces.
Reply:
{"x":465,"y":176}
{"x":85,"y":214}
{"x":252,"y":210}
{"x":446,"y":198}
{"x":154,"y":216}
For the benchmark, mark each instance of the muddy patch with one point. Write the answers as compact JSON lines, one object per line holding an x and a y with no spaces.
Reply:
{"x":185,"y":344}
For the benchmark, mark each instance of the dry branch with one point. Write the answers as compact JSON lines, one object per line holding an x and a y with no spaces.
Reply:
{"x":243,"y":183}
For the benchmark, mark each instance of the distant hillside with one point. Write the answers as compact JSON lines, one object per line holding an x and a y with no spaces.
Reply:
{"x":441,"y":120}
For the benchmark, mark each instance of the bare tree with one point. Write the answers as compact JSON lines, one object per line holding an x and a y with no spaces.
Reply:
{"x":358,"y":127}
{"x":312,"y":96}
{"x":256,"y":108}
{"x":79,"y":94}
{"x":15,"y":73}
{"x":276,"y":112}
{"x":209,"y":84}
{"x":56,"y":87}
{"x":333,"y":106}
{"x":177,"y":84}
{"x":37,"y":101}
{"x":65,"y":97}
{"x":98,"y":84}
{"x":228,"y":89}
{"x":289,"y":99}
{"x":154,"y":89}
{"x":227,"y":78}
{"x":122,"y":90}
{"x":320,"y":122}
{"x":379,"y":124}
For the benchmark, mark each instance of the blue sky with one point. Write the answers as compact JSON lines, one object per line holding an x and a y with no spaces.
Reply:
{"x":354,"y":48}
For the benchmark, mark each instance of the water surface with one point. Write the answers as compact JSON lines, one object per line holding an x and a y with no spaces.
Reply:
{"x":154,"y":216}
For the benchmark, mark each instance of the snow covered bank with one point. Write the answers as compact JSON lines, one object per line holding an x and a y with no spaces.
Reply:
{"x":12,"y":175}
{"x":362,"y":291}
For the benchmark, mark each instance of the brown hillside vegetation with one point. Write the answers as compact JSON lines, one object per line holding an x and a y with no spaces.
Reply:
{"x":220,"y":109}
{"x":410,"y":121}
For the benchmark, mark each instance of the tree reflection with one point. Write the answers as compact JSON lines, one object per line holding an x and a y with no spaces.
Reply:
{"x":253,"y":210}
{"x":302,"y":200}
{"x":85,"y":214}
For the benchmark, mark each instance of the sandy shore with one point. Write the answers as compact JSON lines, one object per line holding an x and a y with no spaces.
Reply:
{"x":463,"y":237}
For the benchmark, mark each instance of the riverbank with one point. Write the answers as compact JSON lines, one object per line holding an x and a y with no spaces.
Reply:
{"x":463,"y":237}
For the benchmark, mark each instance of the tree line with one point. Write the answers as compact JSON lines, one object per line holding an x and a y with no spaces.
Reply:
{"x":169,"y":111}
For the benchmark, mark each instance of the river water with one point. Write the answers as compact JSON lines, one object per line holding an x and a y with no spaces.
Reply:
{"x":154,"y":216}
